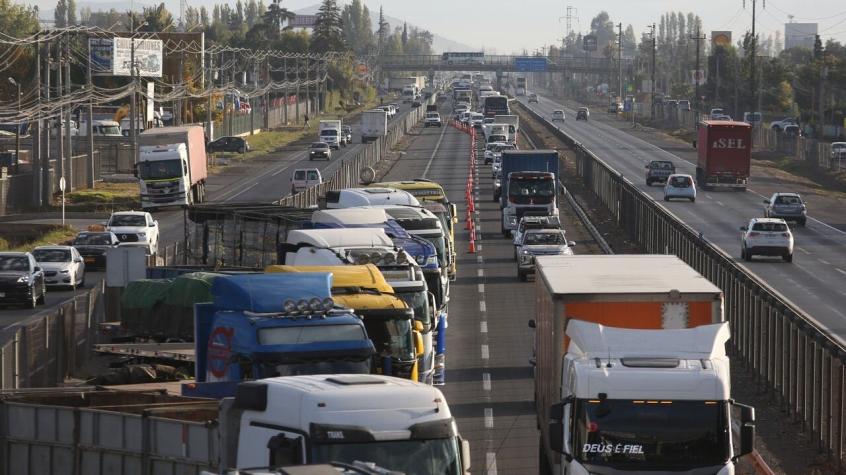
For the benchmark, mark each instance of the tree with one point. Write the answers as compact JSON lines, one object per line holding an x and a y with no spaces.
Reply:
{"x":328,"y":28}
{"x":383,"y":31}
{"x":404,"y":34}
{"x":276,"y":15}
{"x":358,"y":32}
{"x":60,"y":14}
{"x":158,"y":18}
{"x":71,"y":14}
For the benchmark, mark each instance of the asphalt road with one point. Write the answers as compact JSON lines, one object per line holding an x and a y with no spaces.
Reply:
{"x":489,"y":384}
{"x":814,"y":281}
{"x":11,"y":314}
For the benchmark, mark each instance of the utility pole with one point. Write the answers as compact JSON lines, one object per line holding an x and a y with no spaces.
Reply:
{"x":696,"y":76}
{"x":89,"y":81}
{"x":68,"y":113}
{"x":652,"y":99}
{"x":46,"y":184}
{"x":36,"y":130}
{"x":620,"y":59}
{"x":59,"y":90}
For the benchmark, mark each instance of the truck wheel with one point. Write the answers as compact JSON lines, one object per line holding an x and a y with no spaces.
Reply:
{"x":522,"y":276}
{"x":788,"y":257}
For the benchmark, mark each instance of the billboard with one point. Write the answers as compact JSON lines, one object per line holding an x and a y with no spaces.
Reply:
{"x":530,"y":63}
{"x":720,"y":38}
{"x":697,"y":77}
{"x":101,"y":50}
{"x":589,"y":43}
{"x":148,"y":57}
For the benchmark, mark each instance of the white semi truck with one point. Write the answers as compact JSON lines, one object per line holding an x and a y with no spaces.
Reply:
{"x":631,"y":371}
{"x":172,"y":166}
{"x":397,"y":424}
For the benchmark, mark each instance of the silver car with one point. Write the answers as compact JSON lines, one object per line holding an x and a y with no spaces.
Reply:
{"x":62,"y":266}
{"x":540,"y":242}
{"x":787,"y":206}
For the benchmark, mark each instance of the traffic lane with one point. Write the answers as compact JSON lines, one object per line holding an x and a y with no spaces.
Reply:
{"x":812,"y":282}
{"x":488,"y":379}
{"x":13,"y":314}
{"x":825,"y":207}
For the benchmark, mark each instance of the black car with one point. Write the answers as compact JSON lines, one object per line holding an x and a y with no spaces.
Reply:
{"x":92,"y":246}
{"x":21,"y":280}
{"x":228,"y":144}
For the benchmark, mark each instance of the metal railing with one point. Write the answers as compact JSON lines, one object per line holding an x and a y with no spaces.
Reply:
{"x":787,"y":350}
{"x":45,"y":348}
{"x":499,"y":62}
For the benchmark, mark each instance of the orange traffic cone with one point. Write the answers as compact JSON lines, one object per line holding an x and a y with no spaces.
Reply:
{"x":472,"y":249}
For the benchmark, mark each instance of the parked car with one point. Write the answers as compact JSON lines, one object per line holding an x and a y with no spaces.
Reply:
{"x":680,"y":186}
{"x":659,"y":171}
{"x":792,"y":130}
{"x":228,"y":144}
{"x":304,"y":178}
{"x":715,"y":111}
{"x":779,"y":125}
{"x":838,"y":150}
{"x":432,"y":119}
{"x":62,"y":265}
{"x":319,"y":150}
{"x":92,"y":245}
{"x":753,"y":118}
{"x":533,"y":98}
{"x":787,"y":206}
{"x":558,"y":115}
{"x":135,"y":228}
{"x":21,"y":279}
{"x":540,"y":242}
{"x":766,"y":237}
{"x":583,"y":113}
{"x":684,"y":105}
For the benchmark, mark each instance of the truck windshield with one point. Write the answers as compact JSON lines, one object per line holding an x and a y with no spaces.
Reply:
{"x":440,"y":246}
{"x":417,"y":302}
{"x":412,"y":457}
{"x":160,"y":170}
{"x":541,"y":190}
{"x":651,"y":435}
{"x":391,"y":337}
{"x":309,"y":334}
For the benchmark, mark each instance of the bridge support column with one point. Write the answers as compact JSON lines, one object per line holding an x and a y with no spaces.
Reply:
{"x":431,"y":82}
{"x":499,"y":80}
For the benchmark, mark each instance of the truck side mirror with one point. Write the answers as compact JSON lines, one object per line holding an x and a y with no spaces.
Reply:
{"x":418,"y":326}
{"x":419,"y":348}
{"x":453,"y":210}
{"x":556,"y":437}
{"x":465,"y":455}
{"x":747,"y":413}
{"x":747,"y":439}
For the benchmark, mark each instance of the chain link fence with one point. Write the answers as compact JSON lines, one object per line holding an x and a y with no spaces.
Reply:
{"x":790,"y":354}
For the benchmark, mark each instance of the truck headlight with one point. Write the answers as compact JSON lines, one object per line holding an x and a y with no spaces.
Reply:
{"x":24,"y":279}
{"x":512,"y":220}
{"x":142,"y":235}
{"x":432,"y":260}
{"x":64,"y":271}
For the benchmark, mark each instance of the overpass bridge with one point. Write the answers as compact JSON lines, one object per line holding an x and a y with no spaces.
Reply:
{"x":504,"y":63}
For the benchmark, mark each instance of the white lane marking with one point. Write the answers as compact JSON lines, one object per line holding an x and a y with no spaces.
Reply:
{"x":483,"y":327}
{"x":486,"y":352}
{"x":490,"y":463}
{"x":479,"y":247}
{"x":486,"y":381}
{"x":435,"y":151}
{"x":720,"y":203}
{"x":803,"y":250}
{"x":823,"y":261}
{"x":483,"y":306}
{"x":479,"y":260}
{"x":709,"y":197}
{"x":243,"y":190}
{"x":228,"y":195}
{"x":840,"y":270}
{"x":480,"y":272}
{"x":481,"y":288}
{"x":489,"y":418}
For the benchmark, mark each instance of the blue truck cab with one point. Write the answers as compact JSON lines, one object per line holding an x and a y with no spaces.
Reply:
{"x":266,"y":325}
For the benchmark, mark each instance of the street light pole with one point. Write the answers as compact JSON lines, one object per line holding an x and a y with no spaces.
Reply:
{"x":18,"y":128}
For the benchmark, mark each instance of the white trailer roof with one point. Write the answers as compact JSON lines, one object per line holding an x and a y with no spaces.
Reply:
{"x":341,"y":238}
{"x":620,"y":274}
{"x":349,"y":216}
{"x":593,"y":340}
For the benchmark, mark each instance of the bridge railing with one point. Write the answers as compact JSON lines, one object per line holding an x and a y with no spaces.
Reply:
{"x":504,"y":61}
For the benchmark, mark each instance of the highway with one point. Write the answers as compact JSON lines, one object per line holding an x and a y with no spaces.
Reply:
{"x":813,"y":282}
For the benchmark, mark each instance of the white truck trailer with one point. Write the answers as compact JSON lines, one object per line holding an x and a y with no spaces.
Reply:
{"x":374,"y":125}
{"x":172,"y":166}
{"x":397,"y":424}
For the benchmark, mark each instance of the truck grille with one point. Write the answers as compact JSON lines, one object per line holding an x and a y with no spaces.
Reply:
{"x":127,"y":237}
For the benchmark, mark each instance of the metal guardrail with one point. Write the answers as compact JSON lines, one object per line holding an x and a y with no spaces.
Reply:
{"x":490,"y":62}
{"x":799,"y":361}
{"x":43,"y":349}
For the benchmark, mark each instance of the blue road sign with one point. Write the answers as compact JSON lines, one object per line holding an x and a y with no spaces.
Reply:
{"x":531,"y":63}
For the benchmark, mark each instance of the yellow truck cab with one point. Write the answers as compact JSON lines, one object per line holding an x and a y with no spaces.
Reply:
{"x":389,"y":321}
{"x":429,"y":191}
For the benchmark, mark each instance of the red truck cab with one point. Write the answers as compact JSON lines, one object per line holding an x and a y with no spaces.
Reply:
{"x":724,"y":154}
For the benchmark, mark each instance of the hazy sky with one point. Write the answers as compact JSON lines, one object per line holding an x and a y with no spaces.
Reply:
{"x":506,"y":26}
{"x":511,"y":25}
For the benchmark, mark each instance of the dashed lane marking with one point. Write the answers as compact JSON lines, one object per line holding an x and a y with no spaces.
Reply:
{"x":486,"y":381}
{"x":486,"y":352}
{"x":840,"y":270}
{"x":490,"y":463}
{"x":480,"y":272}
{"x":482,"y":306}
{"x":823,"y":261}
{"x":481,"y":288}
{"x":480,"y":260}
{"x":489,"y":420}
{"x":435,"y":151}
{"x":483,"y":327}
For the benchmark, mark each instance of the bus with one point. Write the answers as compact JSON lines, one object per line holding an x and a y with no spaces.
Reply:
{"x":464,"y":58}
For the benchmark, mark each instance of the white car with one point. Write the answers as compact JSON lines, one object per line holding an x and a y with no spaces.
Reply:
{"x":838,"y":150}
{"x":432,"y":119}
{"x":62,"y":265}
{"x":766,"y":237}
{"x":558,"y":115}
{"x":680,"y":186}
{"x":304,"y":178}
{"x":491,"y":149}
{"x":136,"y":228}
{"x":540,"y":242}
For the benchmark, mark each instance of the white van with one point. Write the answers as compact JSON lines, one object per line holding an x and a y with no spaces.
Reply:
{"x":304,"y":178}
{"x":101,"y":128}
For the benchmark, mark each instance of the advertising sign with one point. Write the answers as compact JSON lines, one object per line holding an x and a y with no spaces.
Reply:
{"x":530,"y":63}
{"x":101,"y":51}
{"x":589,"y":43}
{"x":148,"y":57}
{"x":697,"y":76}
{"x":720,"y":38}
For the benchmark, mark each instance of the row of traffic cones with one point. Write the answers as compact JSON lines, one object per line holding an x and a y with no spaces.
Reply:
{"x":471,"y":177}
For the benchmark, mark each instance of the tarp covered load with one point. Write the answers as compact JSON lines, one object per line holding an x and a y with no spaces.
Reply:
{"x":163,"y":309}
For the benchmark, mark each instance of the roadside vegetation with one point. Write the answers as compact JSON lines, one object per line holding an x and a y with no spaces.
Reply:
{"x":43,"y":235}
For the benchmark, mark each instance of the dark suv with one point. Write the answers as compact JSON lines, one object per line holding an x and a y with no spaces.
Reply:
{"x":659,"y":171}
{"x":228,"y":144}
{"x":21,"y":280}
